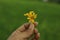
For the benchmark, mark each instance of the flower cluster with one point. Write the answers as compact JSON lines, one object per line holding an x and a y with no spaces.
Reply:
{"x":31,"y":16}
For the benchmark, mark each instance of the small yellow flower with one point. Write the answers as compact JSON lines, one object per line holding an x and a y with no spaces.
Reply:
{"x":31,"y":16}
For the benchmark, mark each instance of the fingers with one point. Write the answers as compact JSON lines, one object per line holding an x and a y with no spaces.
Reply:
{"x":23,"y":27}
{"x":31,"y":28}
{"x":36,"y":23}
{"x":37,"y":35}
{"x":27,"y":33}
{"x":28,"y":24}
{"x":35,"y":31}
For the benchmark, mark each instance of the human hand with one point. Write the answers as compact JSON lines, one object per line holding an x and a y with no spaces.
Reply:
{"x":24,"y":32}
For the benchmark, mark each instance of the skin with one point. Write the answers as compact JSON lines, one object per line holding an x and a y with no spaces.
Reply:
{"x":25,"y":32}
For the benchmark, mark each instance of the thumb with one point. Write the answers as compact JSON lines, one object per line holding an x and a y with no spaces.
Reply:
{"x":23,"y":27}
{"x":28,"y":32}
{"x":30,"y":29}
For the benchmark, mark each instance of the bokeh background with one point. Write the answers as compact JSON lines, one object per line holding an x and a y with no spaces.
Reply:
{"x":12,"y":16}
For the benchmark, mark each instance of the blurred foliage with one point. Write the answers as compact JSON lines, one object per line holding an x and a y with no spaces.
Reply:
{"x":12,"y":16}
{"x":55,"y":1}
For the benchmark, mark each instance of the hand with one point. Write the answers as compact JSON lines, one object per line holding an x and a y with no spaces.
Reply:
{"x":24,"y":32}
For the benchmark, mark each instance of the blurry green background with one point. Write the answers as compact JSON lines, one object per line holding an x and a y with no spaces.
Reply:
{"x":12,"y":16}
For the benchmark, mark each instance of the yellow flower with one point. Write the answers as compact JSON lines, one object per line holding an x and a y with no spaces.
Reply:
{"x":31,"y":16}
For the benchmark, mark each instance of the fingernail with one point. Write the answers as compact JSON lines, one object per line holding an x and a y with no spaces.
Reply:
{"x":35,"y":31}
{"x":35,"y":24}
{"x":37,"y":36}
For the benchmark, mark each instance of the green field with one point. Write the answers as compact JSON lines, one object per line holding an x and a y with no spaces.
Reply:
{"x":12,"y":16}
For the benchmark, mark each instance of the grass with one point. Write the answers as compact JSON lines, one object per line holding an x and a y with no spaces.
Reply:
{"x":12,"y":16}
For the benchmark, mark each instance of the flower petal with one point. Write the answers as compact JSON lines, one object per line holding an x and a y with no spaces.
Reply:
{"x":35,"y":16}
{"x":28,"y":18}
{"x":26,"y":14}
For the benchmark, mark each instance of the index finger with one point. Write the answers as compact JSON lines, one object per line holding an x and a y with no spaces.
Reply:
{"x":23,"y":27}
